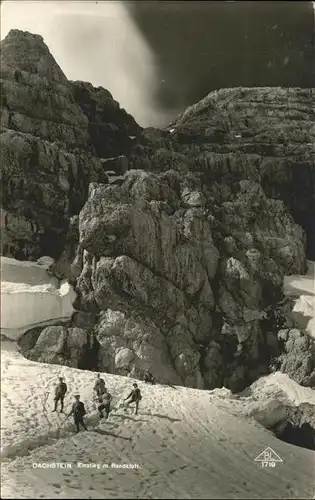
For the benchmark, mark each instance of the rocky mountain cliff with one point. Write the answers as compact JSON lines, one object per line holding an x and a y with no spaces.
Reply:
{"x":177,"y":240}
{"x":50,"y":145}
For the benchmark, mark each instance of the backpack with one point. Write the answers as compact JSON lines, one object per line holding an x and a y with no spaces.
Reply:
{"x":138,"y":394}
{"x":63,"y":388}
{"x":82,"y":409}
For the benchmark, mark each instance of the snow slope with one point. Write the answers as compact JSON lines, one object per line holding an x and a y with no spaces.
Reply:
{"x":302,"y":288}
{"x":30,"y":297}
{"x":32,"y":273}
{"x":187,"y":443}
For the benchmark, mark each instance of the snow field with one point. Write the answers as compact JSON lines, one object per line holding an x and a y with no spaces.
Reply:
{"x":184,"y":443}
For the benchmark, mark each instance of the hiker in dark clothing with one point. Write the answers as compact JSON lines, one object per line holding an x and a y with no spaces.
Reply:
{"x":60,"y":393}
{"x":135,"y":396}
{"x":99,"y":387}
{"x":78,"y":412}
{"x":148,"y":377}
{"x":105,"y":404}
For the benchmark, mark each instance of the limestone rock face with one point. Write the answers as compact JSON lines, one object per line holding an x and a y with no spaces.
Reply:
{"x":154,"y":255}
{"x":64,"y":345}
{"x":131,"y":344}
{"x":203,"y":275}
{"x":298,"y":356}
{"x":176,"y":241}
{"x":43,"y":184}
{"x":303,"y":415}
{"x":50,"y":344}
{"x":36,"y":96}
{"x":263,"y":134}
{"x":25,"y":51}
{"x":111,"y":128}
{"x":48,"y":148}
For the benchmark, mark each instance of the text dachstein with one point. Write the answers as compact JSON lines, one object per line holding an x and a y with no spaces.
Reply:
{"x":82,"y":465}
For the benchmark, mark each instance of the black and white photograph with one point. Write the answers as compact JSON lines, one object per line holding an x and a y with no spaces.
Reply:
{"x":157,"y":249}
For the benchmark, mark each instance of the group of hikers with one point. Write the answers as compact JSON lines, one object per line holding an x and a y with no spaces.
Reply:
{"x":103,"y":397}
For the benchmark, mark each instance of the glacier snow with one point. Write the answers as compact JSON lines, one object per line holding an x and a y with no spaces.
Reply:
{"x":30,"y":297}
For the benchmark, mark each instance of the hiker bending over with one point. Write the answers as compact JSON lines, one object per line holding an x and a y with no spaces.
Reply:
{"x":105,"y":404}
{"x":78,"y":412}
{"x":135,"y":396}
{"x":99,"y":386}
{"x":148,"y":377}
{"x":60,"y":393}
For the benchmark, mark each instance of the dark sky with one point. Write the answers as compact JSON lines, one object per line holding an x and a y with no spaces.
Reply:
{"x":156,"y":58}
{"x":202,"y":46}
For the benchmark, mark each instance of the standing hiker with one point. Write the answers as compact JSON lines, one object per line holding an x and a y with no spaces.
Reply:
{"x":135,"y":396}
{"x":78,"y":412}
{"x":148,"y":377}
{"x":105,"y":404}
{"x":60,"y":393}
{"x":99,"y":387}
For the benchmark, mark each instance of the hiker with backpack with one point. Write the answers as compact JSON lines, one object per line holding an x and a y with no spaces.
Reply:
{"x":105,"y":404}
{"x":135,"y":397}
{"x":60,"y":392}
{"x":99,"y":386}
{"x":148,"y":377}
{"x":78,"y":412}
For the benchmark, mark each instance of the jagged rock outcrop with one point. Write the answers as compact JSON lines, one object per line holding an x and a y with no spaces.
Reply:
{"x":176,"y":241}
{"x":279,"y":404}
{"x":154,"y":255}
{"x":60,"y":344}
{"x":111,"y":128}
{"x":130,"y":343}
{"x":297,"y":357}
{"x":154,"y":244}
{"x":49,"y":146}
{"x":263,"y":134}
{"x":150,"y":249}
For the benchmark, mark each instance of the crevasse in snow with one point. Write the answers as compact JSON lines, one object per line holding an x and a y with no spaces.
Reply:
{"x":30,"y":297}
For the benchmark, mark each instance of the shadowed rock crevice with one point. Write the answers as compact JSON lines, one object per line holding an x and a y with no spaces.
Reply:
{"x":277,"y":409}
{"x":106,"y":120}
{"x":89,"y":357}
{"x":298,"y":427}
{"x":303,"y":436}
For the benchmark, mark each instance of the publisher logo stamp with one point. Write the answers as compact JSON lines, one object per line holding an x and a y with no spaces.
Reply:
{"x":268,"y":458}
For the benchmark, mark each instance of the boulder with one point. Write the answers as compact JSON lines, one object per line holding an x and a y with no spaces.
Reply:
{"x":131,"y":344}
{"x":297,"y":358}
